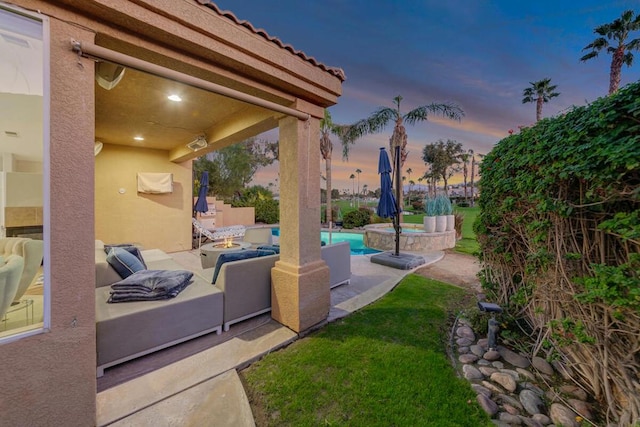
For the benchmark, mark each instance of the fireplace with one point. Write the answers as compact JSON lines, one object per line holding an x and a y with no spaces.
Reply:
{"x":31,"y":231}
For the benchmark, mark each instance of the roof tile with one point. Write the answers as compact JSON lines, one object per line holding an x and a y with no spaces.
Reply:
{"x":338,"y":72}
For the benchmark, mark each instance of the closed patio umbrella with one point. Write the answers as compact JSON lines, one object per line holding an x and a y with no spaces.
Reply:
{"x":387,"y":204}
{"x":201,"y":203}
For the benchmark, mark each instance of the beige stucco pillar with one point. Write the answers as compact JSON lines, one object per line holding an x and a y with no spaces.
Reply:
{"x":300,"y":295}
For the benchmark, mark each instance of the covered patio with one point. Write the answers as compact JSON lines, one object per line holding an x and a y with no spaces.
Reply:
{"x":236,"y":82}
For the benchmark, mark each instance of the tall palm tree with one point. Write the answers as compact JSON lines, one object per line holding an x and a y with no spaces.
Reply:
{"x":539,"y":92}
{"x":384,"y":115}
{"x":353,"y":186}
{"x":465,"y":170}
{"x":617,"y":31}
{"x":327,"y":128}
{"x":358,"y":171}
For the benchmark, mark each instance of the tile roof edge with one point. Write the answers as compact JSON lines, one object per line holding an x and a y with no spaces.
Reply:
{"x":337,"y":72}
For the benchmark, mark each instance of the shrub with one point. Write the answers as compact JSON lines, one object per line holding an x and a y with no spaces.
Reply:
{"x":267,"y":211}
{"x":558,"y":230}
{"x":357,"y":218}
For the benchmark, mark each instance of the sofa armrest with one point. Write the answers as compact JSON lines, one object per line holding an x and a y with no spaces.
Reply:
{"x":247,"y":287}
{"x":338,"y":259}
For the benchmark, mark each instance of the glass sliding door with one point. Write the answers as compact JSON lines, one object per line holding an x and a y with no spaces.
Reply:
{"x":23,"y":105}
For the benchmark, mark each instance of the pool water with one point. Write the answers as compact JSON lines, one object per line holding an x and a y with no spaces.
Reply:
{"x":355,"y":241}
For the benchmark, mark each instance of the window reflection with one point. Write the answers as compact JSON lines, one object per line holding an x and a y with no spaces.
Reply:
{"x":21,"y":172}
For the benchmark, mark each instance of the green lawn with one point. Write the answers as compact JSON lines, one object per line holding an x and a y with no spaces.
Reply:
{"x":468,"y":244}
{"x":384,"y":365}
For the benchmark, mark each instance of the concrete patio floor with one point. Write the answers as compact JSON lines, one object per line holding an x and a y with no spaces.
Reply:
{"x":196,"y":383}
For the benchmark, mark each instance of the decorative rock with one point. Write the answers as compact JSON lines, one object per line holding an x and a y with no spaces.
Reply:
{"x":510,"y":409}
{"x":481,"y":390}
{"x":463,"y":350}
{"x":513,"y":358}
{"x":530,"y":422}
{"x":477,"y":350}
{"x":564,"y":370}
{"x":471,"y":372}
{"x":526,"y":374}
{"x":487,"y":404}
{"x":508,"y":418}
{"x":542,"y":419}
{"x":483,"y":362}
{"x":466,"y":332}
{"x":542,"y":365}
{"x":464,"y":342}
{"x":467,"y":358}
{"x":499,"y":423}
{"x":581,"y":408}
{"x":493,"y":387}
{"x":505,"y":380}
{"x":487,"y":370}
{"x":491,"y":355}
{"x":484,"y":343}
{"x":508,"y":400}
{"x":531,"y":402}
{"x":561,"y":415}
{"x":498,"y":364}
{"x":534,"y":388}
{"x":511,"y":372}
{"x":574,"y":391}
{"x":551,"y":395}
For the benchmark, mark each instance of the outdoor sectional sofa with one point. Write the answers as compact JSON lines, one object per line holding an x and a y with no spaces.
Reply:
{"x":128,"y":330}
{"x":242,"y":290}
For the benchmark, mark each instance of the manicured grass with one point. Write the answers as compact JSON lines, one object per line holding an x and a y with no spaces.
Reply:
{"x":468,"y":244}
{"x":384,"y":365}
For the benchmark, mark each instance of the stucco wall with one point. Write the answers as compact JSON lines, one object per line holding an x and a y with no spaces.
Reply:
{"x":49,"y":378}
{"x":161,"y":221}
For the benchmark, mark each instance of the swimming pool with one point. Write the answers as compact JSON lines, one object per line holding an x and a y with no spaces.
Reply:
{"x":355,"y":241}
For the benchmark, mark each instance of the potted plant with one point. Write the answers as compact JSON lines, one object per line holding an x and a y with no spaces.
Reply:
{"x":429,"y":220}
{"x":448,"y":212}
{"x":444,"y":214}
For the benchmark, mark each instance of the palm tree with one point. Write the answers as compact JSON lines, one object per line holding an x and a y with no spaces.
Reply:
{"x":383,"y":115}
{"x":358,"y":171}
{"x":353,"y":187}
{"x":618,"y":31}
{"x":327,"y":127}
{"x":465,"y":170}
{"x":539,"y":92}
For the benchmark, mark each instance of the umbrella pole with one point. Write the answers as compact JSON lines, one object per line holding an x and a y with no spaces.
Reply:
{"x":398,"y":184}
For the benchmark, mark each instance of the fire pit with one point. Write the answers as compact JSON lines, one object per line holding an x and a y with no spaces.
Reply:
{"x":210,"y":252}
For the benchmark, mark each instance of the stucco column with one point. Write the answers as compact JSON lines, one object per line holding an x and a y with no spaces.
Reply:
{"x":300,"y":295}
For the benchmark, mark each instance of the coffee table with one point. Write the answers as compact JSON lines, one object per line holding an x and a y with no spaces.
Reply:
{"x":210,"y":252}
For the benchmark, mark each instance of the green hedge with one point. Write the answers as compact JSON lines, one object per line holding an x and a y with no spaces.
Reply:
{"x":559,"y":233}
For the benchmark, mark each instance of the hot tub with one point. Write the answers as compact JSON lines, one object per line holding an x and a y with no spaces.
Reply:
{"x":412,"y":238}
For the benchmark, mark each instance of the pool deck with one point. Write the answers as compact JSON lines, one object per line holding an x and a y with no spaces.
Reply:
{"x":196,"y":383}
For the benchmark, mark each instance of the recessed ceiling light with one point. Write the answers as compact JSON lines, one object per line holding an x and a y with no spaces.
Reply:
{"x":175,"y":98}
{"x":138,"y":138}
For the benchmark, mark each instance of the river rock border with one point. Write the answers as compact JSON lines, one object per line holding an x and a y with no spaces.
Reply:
{"x":514,"y":389}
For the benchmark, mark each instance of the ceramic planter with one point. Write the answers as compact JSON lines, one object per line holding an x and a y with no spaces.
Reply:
{"x":429,"y":224}
{"x":441,"y":223}
{"x":451,"y":222}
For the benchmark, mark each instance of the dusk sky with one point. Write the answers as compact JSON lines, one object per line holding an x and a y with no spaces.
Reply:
{"x":477,"y":54}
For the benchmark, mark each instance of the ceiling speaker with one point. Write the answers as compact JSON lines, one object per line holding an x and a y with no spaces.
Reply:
{"x":108,"y":75}
{"x":197,"y":144}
